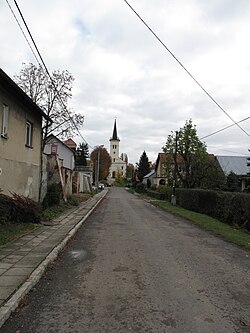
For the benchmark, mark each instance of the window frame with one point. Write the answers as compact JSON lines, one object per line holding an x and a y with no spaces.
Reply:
{"x":28,"y":134}
{"x":5,"y":121}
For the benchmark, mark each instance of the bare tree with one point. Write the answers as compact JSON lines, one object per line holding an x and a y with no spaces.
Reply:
{"x":52,"y":97}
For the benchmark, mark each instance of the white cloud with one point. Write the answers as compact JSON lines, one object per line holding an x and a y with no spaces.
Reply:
{"x":122,"y":71}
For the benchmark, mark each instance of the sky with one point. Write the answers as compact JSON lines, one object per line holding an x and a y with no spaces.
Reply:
{"x":121,"y":71}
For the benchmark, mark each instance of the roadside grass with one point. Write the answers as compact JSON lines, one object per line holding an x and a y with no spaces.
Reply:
{"x":10,"y":232}
{"x":227,"y":232}
{"x":53,"y":212}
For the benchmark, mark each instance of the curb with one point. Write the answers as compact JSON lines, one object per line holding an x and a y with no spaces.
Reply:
{"x":15,"y":299}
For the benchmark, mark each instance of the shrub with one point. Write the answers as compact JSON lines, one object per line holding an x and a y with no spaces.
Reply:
{"x":53,"y":196}
{"x":155,"y":194}
{"x":230,"y":208}
{"x":19,"y":209}
{"x":165,"y":191}
{"x":140,"y":187}
{"x":73,"y":201}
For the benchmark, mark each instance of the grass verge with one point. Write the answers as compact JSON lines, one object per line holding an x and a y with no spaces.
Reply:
{"x":51,"y":213}
{"x":227,"y":232}
{"x":10,"y":232}
{"x":54,"y":211}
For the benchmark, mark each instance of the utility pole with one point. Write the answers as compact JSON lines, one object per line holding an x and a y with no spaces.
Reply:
{"x":173,"y":197}
{"x":98,"y":165}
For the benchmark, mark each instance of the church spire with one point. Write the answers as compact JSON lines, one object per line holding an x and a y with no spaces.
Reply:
{"x":114,"y":136}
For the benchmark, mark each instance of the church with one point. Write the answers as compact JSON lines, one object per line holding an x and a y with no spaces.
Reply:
{"x":118,"y":163}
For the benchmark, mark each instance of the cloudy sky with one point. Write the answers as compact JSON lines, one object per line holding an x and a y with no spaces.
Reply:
{"x":122,"y":71}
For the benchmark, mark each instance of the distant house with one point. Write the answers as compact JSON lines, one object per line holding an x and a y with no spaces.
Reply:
{"x":237,"y":165}
{"x":60,"y":161}
{"x":55,"y":146}
{"x":150,"y":178}
{"x":160,"y":178}
{"x":20,"y":141}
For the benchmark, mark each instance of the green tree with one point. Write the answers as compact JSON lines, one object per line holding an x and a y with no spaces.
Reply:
{"x":82,"y":153}
{"x":119,"y":179}
{"x":187,"y":160}
{"x":51,"y":97}
{"x":143,"y":166}
{"x":130,"y":171}
{"x":104,"y":163}
{"x":232,"y":182}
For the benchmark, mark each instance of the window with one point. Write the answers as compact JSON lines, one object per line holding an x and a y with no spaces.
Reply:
{"x":28,"y":134}
{"x":114,"y":159}
{"x":5,"y":121}
{"x":122,"y":167}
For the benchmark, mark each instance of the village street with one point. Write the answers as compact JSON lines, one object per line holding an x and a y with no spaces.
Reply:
{"x":136,"y":268}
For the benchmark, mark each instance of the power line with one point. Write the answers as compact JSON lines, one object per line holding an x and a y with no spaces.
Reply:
{"x":228,"y":151}
{"x":185,"y":69}
{"x":223,"y":129}
{"x":48,"y":73}
{"x":22,"y":31}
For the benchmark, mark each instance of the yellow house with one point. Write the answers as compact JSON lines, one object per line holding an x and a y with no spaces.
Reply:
{"x":20,"y":140}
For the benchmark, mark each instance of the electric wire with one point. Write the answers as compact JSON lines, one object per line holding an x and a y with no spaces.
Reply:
{"x":48,"y":73}
{"x":223,"y":129}
{"x":185,"y":69}
{"x":12,"y":11}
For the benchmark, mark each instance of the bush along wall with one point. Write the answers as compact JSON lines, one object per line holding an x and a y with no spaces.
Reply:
{"x":230,"y":208}
{"x":19,"y":209}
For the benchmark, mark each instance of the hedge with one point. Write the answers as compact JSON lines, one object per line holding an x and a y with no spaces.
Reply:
{"x":230,"y":208}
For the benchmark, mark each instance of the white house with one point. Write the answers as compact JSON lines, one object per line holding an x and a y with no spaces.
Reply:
{"x":55,"y":146}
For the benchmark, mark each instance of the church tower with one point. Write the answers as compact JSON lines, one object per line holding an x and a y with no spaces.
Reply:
{"x":118,"y":165}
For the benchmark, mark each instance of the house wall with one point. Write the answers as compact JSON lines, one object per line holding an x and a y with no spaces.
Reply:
{"x":19,"y":164}
{"x":64,"y":153}
{"x":81,"y":182}
{"x":51,"y":175}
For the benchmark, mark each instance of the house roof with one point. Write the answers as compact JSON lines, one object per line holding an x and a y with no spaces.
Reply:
{"x":235,"y":164}
{"x":161,"y":159}
{"x":151,"y":173}
{"x":8,"y":84}
{"x":70,"y":143}
{"x":52,"y":136}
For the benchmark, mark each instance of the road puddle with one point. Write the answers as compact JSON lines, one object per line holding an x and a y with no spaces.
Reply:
{"x":78,"y":255}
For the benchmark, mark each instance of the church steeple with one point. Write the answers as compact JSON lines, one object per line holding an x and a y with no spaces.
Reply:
{"x":115,"y":137}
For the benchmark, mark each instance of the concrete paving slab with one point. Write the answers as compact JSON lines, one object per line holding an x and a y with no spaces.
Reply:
{"x":10,"y":261}
{"x":6,"y":291}
{"x":30,"y":261}
{"x":18,"y":271}
{"x":28,"y":237}
{"x":4,"y":265}
{"x":9,"y":281}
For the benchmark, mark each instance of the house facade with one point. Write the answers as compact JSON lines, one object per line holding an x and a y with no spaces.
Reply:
{"x":118,"y":164}
{"x":20,"y":140}
{"x":66,"y":155}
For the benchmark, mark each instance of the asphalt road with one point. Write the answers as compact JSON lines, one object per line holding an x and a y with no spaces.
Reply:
{"x":135,"y":268}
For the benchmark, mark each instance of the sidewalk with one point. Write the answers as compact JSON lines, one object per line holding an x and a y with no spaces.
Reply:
{"x":23,"y":262}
